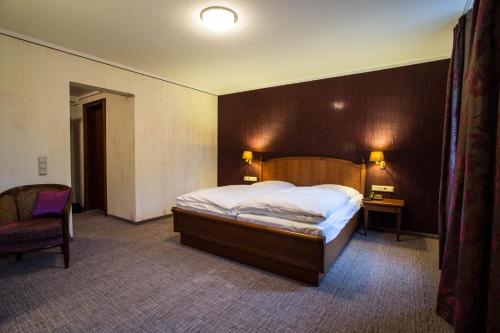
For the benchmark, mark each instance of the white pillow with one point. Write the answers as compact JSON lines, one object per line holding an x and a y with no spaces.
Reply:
{"x":346,"y":189}
{"x":273,"y":184}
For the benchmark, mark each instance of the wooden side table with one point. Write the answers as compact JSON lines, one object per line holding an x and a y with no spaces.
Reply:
{"x":393,"y":206}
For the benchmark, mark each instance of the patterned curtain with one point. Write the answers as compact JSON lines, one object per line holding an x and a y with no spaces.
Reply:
{"x":469,"y":208}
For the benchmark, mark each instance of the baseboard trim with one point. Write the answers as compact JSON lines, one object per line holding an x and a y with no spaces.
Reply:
{"x":407,"y":232}
{"x":141,"y":221}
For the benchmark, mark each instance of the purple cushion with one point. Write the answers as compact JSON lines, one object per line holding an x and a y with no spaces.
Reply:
{"x":50,"y":203}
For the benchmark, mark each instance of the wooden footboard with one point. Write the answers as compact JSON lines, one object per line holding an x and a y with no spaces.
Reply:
{"x":298,"y":256}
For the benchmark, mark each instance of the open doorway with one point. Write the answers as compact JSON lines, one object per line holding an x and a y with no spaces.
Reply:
{"x":94,"y":148}
{"x":102,"y":150}
{"x":88,"y":149}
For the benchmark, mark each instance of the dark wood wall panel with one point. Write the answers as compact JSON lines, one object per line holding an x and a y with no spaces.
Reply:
{"x":399,"y":111}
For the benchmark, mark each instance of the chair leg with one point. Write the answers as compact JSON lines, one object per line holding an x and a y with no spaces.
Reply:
{"x":19,"y":256}
{"x":65,"y":249}
{"x":62,"y":248}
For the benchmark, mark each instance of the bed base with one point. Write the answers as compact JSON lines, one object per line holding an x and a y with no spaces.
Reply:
{"x":298,"y":256}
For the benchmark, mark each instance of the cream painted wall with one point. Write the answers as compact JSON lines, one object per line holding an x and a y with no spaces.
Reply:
{"x":120,"y":152}
{"x":188,"y":140}
{"x":175,"y":127}
{"x":76,"y":143}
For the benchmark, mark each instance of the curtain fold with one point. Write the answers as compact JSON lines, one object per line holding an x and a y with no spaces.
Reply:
{"x":450,"y":133}
{"x":469,"y":216}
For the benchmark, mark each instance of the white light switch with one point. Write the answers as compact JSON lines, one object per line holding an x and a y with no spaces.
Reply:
{"x":42,"y":166}
{"x":250,"y":179}
{"x":382,"y":188}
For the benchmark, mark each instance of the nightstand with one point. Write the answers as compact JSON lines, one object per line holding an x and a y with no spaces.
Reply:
{"x":394,"y":206}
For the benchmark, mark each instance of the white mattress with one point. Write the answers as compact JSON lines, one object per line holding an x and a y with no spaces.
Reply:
{"x":330,"y":228}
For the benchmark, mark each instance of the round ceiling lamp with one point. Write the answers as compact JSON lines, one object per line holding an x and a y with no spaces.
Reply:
{"x":218,"y":18}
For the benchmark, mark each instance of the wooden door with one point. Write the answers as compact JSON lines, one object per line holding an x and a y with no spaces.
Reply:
{"x":94,"y":138}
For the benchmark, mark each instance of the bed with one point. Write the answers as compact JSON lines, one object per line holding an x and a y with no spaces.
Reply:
{"x":292,"y":253}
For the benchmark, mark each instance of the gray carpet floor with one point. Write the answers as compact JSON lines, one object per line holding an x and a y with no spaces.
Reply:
{"x":138,"y":278}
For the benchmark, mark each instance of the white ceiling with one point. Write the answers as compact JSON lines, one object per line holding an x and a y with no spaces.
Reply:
{"x":274,"y":41}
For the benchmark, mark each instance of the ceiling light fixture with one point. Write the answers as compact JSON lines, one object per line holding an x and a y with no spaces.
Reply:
{"x":218,"y":18}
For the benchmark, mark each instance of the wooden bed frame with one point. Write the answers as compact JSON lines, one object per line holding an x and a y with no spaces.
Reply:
{"x":299,"y":256}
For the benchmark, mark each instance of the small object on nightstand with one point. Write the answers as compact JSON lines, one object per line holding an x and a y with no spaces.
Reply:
{"x":394,"y":206}
{"x":374,"y":196}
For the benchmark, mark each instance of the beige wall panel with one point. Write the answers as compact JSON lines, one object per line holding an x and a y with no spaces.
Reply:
{"x":120,"y":156}
{"x":151,"y":170}
{"x":33,"y":123}
{"x":57,"y":99}
{"x":87,"y":72}
{"x":12,"y":116}
{"x":120,"y":80}
{"x":174,"y":127}
{"x":193,"y":128}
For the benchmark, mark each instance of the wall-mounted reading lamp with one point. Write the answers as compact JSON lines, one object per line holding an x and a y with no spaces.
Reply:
{"x":247,"y":156}
{"x":378,"y":158}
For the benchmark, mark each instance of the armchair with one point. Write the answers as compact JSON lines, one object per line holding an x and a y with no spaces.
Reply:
{"x":21,"y":232}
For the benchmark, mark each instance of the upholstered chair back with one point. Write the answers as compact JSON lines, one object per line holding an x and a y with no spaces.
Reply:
{"x":8,"y":208}
{"x":18,"y":203}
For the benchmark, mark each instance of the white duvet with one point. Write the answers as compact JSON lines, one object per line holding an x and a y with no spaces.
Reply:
{"x":224,"y":200}
{"x":303,"y":204}
{"x":330,"y":228}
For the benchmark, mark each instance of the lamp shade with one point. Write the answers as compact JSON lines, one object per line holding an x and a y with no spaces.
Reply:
{"x":376,"y":156}
{"x":247,"y":155}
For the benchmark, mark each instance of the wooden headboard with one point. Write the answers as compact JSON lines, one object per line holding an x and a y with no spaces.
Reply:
{"x":308,"y":171}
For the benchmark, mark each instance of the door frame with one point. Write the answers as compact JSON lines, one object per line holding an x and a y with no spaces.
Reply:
{"x":85,"y":108}
{"x":76,"y":158}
